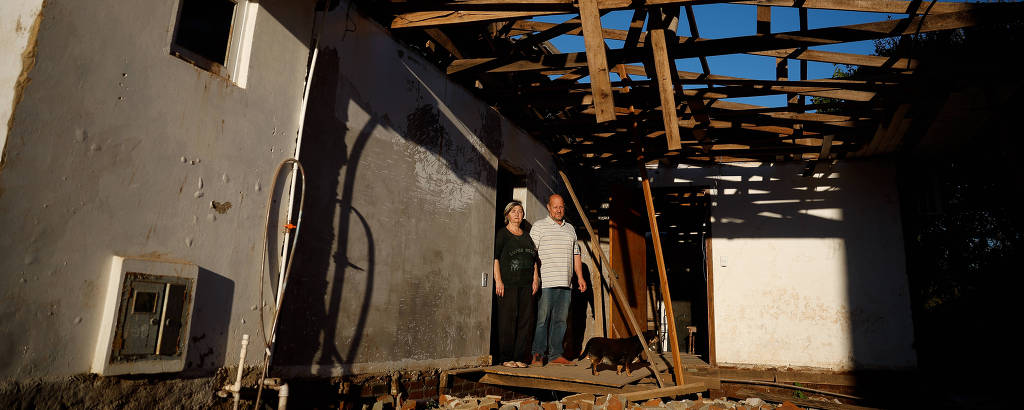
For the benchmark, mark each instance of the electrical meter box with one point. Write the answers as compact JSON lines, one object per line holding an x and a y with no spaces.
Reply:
{"x":146,"y":317}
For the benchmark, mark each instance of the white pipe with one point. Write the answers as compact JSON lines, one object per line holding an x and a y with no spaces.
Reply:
{"x":282,"y":397}
{"x":274,"y":383}
{"x":291,"y":189}
{"x":237,"y":387}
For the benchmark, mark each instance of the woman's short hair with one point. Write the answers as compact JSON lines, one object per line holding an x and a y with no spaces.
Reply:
{"x":513,"y":204}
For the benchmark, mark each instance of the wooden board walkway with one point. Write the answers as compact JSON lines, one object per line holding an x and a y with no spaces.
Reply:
{"x":576,"y":377}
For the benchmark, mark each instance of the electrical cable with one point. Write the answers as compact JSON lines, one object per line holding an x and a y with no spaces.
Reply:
{"x":268,"y":342}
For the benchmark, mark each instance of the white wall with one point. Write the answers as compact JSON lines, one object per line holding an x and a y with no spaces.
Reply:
{"x":17,"y":24}
{"x":807,"y":272}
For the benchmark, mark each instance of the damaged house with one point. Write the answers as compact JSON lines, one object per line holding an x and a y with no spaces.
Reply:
{"x":323,"y":180}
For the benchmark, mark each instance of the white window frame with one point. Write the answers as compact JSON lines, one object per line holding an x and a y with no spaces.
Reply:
{"x":239,"y":49}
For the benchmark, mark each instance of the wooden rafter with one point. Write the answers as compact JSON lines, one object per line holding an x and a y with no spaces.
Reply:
{"x":799,"y":38}
{"x":833,"y":57}
{"x":456,"y":12}
{"x":665,"y":20}
{"x":597,"y":63}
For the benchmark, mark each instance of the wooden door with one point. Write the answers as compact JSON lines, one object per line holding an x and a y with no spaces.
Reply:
{"x":628,"y":256}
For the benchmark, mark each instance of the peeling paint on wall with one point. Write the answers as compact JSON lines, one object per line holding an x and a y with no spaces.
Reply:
{"x":9,"y":44}
{"x":441,"y":163}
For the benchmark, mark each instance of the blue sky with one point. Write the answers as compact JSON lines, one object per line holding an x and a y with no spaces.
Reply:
{"x":731,"y":20}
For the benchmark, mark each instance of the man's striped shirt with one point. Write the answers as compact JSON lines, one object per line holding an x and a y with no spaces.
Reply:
{"x":556,"y":245}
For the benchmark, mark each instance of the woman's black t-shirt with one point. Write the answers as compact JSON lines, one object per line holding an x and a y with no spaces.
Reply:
{"x":515,"y":255}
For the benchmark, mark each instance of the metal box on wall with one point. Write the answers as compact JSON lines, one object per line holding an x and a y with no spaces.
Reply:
{"x":146,"y":317}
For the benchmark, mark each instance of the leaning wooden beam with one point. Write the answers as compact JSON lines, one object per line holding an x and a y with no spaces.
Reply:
{"x":678,"y":390}
{"x":471,"y":11}
{"x":619,"y":295}
{"x":444,"y":41}
{"x":666,"y":296}
{"x":526,"y":27}
{"x":1000,"y":12}
{"x":597,"y":62}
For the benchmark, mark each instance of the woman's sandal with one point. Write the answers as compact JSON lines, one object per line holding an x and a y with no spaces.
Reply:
{"x":521,"y":365}
{"x":510,"y":364}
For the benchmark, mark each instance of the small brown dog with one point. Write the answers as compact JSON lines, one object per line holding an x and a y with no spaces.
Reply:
{"x":619,"y":352}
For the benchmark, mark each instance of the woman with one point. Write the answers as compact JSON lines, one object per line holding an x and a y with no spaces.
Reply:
{"x":515,"y":282}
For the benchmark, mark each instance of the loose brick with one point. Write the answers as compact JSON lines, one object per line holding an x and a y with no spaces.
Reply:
{"x":615,"y":402}
{"x":653,"y":403}
{"x":530,"y":406}
{"x":788,"y":406}
{"x":578,"y":397}
{"x":507,"y":407}
{"x":550,"y":405}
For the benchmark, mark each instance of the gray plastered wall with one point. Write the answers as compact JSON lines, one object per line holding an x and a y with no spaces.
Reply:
{"x":400,"y":211}
{"x":119,"y":148}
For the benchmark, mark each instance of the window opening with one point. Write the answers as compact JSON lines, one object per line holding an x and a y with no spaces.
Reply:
{"x":204,"y":30}
{"x":216,"y":35}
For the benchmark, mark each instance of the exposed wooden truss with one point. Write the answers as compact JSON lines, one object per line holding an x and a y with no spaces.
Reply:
{"x":637,"y":104}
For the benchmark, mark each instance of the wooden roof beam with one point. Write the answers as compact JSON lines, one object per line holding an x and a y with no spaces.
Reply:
{"x":800,"y":38}
{"x":664,"y":22}
{"x":597,"y":62}
{"x":466,"y":11}
{"x":833,"y":57}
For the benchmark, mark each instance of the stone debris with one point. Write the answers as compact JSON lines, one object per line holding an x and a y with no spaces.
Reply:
{"x":586,"y":401}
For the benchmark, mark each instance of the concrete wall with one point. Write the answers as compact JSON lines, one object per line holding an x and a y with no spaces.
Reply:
{"x":808,"y":272}
{"x":18,"y":31}
{"x":118,"y":147}
{"x":399,"y":221}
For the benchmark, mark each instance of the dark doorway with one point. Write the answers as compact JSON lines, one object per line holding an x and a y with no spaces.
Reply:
{"x":509,"y":184}
{"x":684,"y":222}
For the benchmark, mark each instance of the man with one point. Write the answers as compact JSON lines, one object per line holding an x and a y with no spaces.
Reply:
{"x":559,"y":257}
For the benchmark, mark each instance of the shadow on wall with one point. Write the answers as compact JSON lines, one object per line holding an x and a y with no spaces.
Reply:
{"x":857,"y":206}
{"x":337,"y":251}
{"x":211,"y":321}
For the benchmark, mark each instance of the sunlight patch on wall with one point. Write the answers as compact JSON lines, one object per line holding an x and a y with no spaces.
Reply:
{"x":832,"y":214}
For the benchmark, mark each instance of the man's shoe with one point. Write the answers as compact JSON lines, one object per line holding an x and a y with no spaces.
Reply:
{"x":561,"y":360}
{"x":537,"y":360}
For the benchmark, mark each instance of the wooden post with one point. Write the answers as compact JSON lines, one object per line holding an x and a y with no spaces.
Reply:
{"x":709,"y":266}
{"x":597,"y":61}
{"x":619,"y":296}
{"x":666,"y":296}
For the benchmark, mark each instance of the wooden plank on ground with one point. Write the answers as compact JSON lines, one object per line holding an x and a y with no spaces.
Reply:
{"x":680,"y":390}
{"x":597,"y":61}
{"x":782,"y":398}
{"x":506,"y":380}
